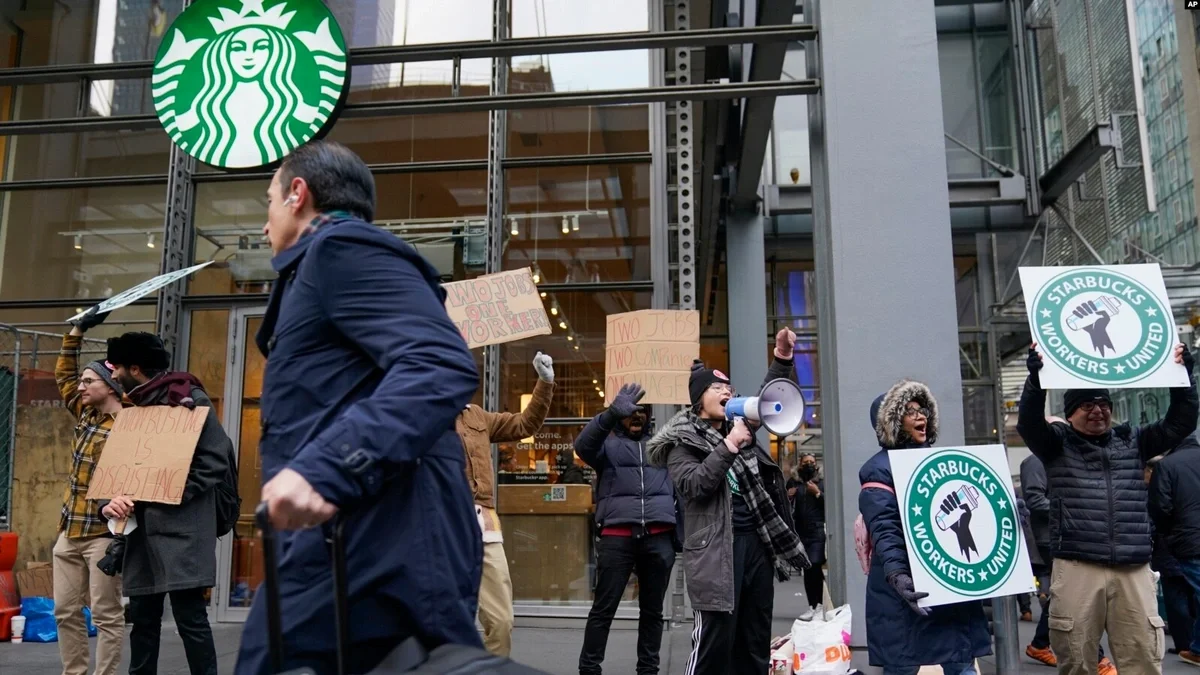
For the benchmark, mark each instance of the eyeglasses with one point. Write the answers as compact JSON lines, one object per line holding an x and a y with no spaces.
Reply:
{"x":1092,"y":405}
{"x":88,"y":381}
{"x":721,"y":388}
{"x":913,"y":412}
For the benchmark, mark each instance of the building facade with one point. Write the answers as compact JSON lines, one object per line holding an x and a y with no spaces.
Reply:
{"x":755,"y":161}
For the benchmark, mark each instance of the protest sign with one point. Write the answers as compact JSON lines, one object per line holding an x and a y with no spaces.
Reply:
{"x":143,"y":289}
{"x":497,"y":308}
{"x":148,"y":453}
{"x":961,"y":524}
{"x":1102,"y":326}
{"x":654,"y":348}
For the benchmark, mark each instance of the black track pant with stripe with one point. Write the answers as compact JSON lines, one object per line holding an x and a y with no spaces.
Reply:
{"x":726,"y":643}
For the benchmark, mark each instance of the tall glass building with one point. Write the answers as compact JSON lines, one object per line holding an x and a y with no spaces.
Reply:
{"x":869,"y":175}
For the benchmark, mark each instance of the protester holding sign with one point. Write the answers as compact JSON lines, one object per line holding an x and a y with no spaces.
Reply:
{"x":740,"y":535}
{"x":173,"y":549}
{"x":902,"y":636}
{"x":635,"y":513}
{"x":478,"y":429}
{"x":94,"y":398}
{"x":1100,"y":530}
{"x":365,"y":376}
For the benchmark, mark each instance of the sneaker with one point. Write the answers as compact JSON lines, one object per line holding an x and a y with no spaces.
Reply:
{"x":1189,"y":657}
{"x":1043,"y":656}
{"x":1027,"y":617}
{"x":807,"y":615}
{"x":1106,"y":667}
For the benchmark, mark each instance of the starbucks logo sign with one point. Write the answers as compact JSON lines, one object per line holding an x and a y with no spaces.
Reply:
{"x":962,"y":524}
{"x":1102,"y":326}
{"x":241,"y":83}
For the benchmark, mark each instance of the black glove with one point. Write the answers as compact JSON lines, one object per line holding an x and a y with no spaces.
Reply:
{"x":90,"y":319}
{"x":903,"y":584}
{"x":114,"y":557}
{"x":625,"y":403}
{"x":1033,"y":362}
{"x":1189,"y":360}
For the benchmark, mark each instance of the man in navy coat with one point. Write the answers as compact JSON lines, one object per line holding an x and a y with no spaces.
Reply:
{"x":365,"y":375}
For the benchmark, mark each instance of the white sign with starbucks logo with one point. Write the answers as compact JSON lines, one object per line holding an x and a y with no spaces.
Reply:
{"x":961,"y":523}
{"x":1103,"y":326}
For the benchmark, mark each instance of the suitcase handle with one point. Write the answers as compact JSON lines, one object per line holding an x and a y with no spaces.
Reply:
{"x":341,"y":611}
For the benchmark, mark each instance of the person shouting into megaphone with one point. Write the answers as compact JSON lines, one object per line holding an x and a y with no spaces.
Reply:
{"x":740,"y":534}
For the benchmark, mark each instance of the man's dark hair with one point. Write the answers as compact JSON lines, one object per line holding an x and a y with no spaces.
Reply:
{"x":337,"y":178}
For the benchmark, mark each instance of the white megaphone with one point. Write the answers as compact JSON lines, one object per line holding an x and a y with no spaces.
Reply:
{"x":779,"y":407}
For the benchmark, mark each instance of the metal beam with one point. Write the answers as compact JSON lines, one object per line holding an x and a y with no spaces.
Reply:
{"x":766,"y":64}
{"x":1076,"y":162}
{"x":479,"y":49}
{"x":462,"y":104}
{"x":797,"y":199}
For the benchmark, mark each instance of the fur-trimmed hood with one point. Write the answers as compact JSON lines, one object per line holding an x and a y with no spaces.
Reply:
{"x":890,"y":418}
{"x":679,"y":429}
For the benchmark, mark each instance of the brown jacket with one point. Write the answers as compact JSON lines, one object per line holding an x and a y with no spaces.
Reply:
{"x":478,"y":429}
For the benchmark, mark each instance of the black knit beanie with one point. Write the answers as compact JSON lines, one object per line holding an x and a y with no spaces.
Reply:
{"x":1073,"y":398}
{"x":144,"y":350}
{"x":701,"y":379}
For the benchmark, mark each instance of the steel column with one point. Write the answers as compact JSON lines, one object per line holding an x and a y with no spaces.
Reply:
{"x":684,"y":161}
{"x":496,"y":198}
{"x":747,"y":300}
{"x":177,"y":245}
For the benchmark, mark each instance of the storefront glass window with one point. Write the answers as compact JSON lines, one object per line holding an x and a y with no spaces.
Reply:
{"x":91,"y":154}
{"x":578,"y":131}
{"x":441,"y":214}
{"x":79,"y":243}
{"x":579,"y":224}
{"x":86,"y":31}
{"x":538,"y":521}
{"x":792,"y":166}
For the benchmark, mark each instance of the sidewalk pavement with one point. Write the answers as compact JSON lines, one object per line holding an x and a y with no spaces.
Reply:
{"x":553,"y":650}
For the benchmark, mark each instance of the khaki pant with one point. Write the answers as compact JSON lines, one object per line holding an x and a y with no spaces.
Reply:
{"x":1087,"y":599}
{"x":77,"y":583}
{"x":495,"y":601}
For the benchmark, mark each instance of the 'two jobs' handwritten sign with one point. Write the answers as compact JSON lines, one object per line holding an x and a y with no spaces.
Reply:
{"x":497,"y":308}
{"x":654,"y":348}
{"x":148,"y":454}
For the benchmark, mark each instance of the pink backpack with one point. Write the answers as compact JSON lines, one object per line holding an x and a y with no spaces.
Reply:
{"x":862,"y":538}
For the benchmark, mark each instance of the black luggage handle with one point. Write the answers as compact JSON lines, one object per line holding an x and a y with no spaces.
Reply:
{"x":341,"y":612}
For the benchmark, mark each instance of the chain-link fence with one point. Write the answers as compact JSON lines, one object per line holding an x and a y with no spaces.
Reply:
{"x":27,"y":360}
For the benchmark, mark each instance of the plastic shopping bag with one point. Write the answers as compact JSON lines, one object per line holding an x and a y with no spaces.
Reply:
{"x":39,"y":620}
{"x":823,"y":647}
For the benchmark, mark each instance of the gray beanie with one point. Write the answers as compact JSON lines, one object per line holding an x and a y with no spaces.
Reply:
{"x":105,"y":372}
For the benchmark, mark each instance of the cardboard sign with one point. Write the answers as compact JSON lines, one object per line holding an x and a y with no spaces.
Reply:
{"x":654,"y":348}
{"x":1102,"y":326}
{"x":36,"y":580}
{"x":143,"y":289}
{"x":961,"y":523}
{"x":148,"y":453}
{"x":497,"y":308}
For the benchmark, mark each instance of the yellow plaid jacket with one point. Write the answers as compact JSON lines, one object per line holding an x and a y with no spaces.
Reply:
{"x":80,"y":517}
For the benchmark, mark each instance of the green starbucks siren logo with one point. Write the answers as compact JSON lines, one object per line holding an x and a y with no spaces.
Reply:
{"x":963,"y":521}
{"x":239,"y":85}
{"x":1101,"y":326}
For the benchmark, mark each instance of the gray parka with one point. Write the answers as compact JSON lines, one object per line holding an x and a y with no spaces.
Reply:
{"x":698,"y":470}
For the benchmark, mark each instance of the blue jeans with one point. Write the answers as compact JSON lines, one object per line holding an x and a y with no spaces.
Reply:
{"x":1191,"y":572}
{"x":947,"y":669}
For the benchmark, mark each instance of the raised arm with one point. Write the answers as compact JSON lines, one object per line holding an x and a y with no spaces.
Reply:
{"x":512,"y":427}
{"x":589,"y":444}
{"x":1164,"y":435}
{"x":429,"y":374}
{"x":66,"y":371}
{"x":1041,"y":438}
{"x":783,"y":365}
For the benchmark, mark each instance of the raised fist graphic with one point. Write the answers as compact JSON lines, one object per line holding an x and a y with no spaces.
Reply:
{"x":1093,"y":317}
{"x":960,"y":502}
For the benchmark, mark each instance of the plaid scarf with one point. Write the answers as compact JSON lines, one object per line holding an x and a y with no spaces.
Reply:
{"x":787,"y":553}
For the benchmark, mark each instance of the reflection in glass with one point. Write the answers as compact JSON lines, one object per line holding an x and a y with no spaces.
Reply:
{"x":440,"y":214}
{"x":577,"y":350}
{"x":84,"y":155}
{"x":246,"y":572}
{"x":86,"y":31}
{"x":579,"y":72}
{"x":80,"y":243}
{"x":579,"y":224}
{"x":960,"y":108}
{"x":578,"y":131}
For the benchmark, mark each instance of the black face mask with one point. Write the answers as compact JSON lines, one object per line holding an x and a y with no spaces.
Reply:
{"x":808,"y":472}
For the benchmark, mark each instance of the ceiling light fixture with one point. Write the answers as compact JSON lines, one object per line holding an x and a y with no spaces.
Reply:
{"x":562,"y":325}
{"x":150,"y":240}
{"x":512,"y":223}
{"x":79,"y":242}
{"x":575,"y":223}
{"x":566,"y":226}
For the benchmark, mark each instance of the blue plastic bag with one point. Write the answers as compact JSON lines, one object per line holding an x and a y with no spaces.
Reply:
{"x":39,"y":620}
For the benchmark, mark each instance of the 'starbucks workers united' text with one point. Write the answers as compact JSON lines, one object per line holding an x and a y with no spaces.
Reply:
{"x":963,"y":523}
{"x":241,"y":83}
{"x":1101,"y":326}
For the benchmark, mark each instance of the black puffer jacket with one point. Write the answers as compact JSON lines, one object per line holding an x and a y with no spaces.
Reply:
{"x":1097,"y":487}
{"x":1175,"y":500}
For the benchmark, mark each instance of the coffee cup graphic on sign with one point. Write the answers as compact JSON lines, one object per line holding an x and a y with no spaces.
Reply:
{"x":1093,"y":317}
{"x":955,"y":515}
